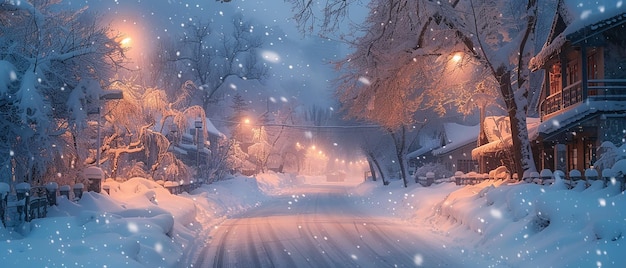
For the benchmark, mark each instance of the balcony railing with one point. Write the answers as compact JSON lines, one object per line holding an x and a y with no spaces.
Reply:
{"x":597,"y":89}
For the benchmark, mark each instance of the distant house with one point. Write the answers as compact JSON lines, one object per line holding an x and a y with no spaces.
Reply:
{"x":456,"y":150}
{"x":196,"y":142}
{"x":584,"y":92}
{"x":452,"y":149}
{"x":423,"y":155}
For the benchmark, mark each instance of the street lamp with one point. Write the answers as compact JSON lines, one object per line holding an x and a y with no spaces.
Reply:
{"x":105,"y":95}
{"x":198,"y":125}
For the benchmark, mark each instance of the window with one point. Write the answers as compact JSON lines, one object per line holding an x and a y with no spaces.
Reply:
{"x":555,"y":78}
{"x":573,"y":75}
{"x":592,"y":66}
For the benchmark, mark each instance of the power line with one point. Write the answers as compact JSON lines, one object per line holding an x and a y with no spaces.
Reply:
{"x":299,"y":126}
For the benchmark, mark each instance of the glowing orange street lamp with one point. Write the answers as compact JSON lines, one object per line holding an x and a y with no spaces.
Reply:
{"x":457,"y":57}
{"x":126,"y":42}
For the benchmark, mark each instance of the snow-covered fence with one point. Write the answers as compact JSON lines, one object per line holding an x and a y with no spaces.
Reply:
{"x":428,"y":180}
{"x":51,"y":193}
{"x":78,"y":190}
{"x":575,"y":179}
{"x":64,"y":190}
{"x":26,"y":204}
{"x":591,"y":175}
{"x":546,"y":177}
{"x":4,"y":194}
{"x":37,"y":203}
{"x":470,"y":178}
{"x":175,"y":187}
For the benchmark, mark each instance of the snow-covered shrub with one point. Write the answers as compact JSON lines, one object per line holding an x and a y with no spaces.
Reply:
{"x":439,"y":170}
{"x":609,"y":154}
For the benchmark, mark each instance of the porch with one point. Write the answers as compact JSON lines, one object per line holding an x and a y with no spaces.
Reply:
{"x":593,"y":90}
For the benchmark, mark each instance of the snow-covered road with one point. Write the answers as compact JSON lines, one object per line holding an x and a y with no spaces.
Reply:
{"x":319,"y":226}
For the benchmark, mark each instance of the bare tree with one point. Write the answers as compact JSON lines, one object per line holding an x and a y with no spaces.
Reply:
{"x":211,"y":57}
{"x":405,"y":39}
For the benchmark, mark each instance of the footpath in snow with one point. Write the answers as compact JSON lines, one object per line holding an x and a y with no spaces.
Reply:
{"x":492,"y":224}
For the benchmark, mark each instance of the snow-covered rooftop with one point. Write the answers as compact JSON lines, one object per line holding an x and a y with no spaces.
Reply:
{"x":429,"y":146}
{"x":579,"y":112}
{"x":457,"y":135}
{"x":498,"y":130}
{"x":212,"y":129}
{"x":587,"y":12}
{"x":579,"y":14}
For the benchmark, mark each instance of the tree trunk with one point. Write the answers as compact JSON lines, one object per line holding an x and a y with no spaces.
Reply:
{"x":521,"y":149}
{"x":372,"y":159}
{"x":372,"y":170}
{"x":380,"y":171}
{"x":400,"y":142}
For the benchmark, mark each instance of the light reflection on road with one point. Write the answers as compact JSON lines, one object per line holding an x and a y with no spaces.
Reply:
{"x":318,"y":226}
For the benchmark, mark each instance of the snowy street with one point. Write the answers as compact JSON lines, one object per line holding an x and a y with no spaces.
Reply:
{"x":318,"y":226}
{"x":300,"y":133}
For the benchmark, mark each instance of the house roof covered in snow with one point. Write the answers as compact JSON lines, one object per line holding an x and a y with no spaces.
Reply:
{"x":210,"y":127}
{"x":426,"y":148}
{"x":577,"y":113}
{"x":457,"y":135}
{"x":557,"y":122}
{"x":498,"y":130}
{"x":582,"y":18}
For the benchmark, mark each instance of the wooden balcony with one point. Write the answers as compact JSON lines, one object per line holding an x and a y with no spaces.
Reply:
{"x":596,"y":90}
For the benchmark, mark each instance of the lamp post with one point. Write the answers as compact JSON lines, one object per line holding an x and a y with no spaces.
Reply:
{"x":106,"y":95}
{"x":198,"y":125}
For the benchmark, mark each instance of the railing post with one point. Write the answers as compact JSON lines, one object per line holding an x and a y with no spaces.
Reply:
{"x":457,"y":177}
{"x":590,"y":175}
{"x":4,"y":193}
{"x":534,"y":177}
{"x":546,"y":177}
{"x":574,"y":177}
{"x":22,"y":191}
{"x":51,"y":193}
{"x":430,"y":178}
{"x":78,"y":190}
{"x":64,"y":190}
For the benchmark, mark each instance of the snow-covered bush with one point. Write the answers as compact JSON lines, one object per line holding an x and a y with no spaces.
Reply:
{"x":439,"y":170}
{"x":609,"y":154}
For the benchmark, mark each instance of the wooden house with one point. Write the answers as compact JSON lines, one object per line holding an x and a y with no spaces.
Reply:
{"x":583,"y":98}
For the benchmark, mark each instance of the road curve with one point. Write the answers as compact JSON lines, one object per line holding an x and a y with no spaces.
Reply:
{"x":318,"y":226}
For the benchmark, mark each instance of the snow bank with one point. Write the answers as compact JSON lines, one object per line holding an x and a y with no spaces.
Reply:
{"x":273,"y":183}
{"x":513,"y":225}
{"x":396,"y":200}
{"x":229,"y":197}
{"x":138,"y":224}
